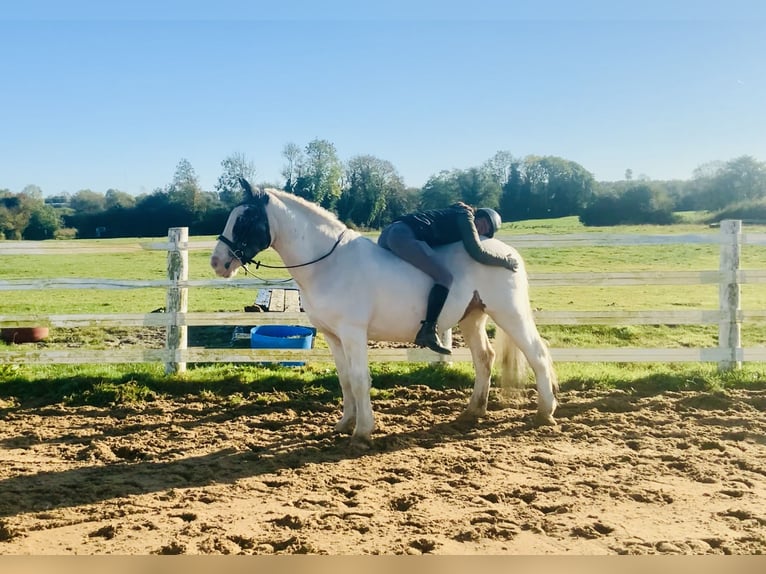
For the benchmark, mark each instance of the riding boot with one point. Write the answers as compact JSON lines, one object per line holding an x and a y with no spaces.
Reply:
{"x":427,"y":336}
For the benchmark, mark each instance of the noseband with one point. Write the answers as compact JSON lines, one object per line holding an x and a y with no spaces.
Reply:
{"x":238,"y":253}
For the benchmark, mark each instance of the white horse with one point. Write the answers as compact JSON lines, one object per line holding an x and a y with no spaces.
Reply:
{"x":353,"y":291}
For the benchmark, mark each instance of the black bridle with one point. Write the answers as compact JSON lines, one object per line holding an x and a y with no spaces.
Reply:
{"x":236,"y":251}
{"x":239,"y":254}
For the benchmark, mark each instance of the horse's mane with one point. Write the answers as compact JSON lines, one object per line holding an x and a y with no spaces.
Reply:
{"x":327,"y":216}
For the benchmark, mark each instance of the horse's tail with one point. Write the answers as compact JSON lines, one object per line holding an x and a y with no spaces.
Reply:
{"x":513,"y":366}
{"x":510,"y":362}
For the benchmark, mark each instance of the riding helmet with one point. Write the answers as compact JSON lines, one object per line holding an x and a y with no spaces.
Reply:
{"x":493,"y":217}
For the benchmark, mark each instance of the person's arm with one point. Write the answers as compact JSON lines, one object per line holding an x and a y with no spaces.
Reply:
{"x":475,"y":248}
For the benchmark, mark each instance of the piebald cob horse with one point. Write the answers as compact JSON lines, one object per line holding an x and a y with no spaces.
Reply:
{"x":354,"y":291}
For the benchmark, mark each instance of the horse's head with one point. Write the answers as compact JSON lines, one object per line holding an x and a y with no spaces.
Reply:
{"x":245,"y":235}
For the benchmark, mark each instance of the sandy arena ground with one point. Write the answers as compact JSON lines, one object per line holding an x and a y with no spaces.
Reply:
{"x":670,"y":473}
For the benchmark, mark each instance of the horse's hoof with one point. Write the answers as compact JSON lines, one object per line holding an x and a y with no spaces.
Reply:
{"x":345,"y":427}
{"x":468,"y":418}
{"x":545,"y":420}
{"x":360,"y":443}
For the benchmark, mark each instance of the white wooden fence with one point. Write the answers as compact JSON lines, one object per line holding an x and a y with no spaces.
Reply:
{"x":729,"y":316}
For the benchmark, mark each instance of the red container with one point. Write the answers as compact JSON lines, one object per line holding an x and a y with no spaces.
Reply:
{"x":24,"y":334}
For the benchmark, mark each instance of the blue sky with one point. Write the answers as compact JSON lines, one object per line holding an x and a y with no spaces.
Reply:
{"x":99,"y":95}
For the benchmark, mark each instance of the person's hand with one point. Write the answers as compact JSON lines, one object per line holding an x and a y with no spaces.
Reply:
{"x":510,"y":263}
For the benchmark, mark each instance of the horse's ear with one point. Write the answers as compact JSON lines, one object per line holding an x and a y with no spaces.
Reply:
{"x":248,"y":190}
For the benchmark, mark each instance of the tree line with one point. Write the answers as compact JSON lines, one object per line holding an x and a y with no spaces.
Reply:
{"x":367,"y":192}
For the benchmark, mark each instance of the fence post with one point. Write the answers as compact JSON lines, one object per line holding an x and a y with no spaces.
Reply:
{"x":729,"y":328}
{"x":177,"y":299}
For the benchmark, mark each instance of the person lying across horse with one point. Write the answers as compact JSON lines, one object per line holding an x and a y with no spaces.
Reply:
{"x":412,"y":238}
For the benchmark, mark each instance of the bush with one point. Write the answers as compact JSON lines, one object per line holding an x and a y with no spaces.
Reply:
{"x":640,"y":204}
{"x":753,"y":211}
{"x":66,"y":233}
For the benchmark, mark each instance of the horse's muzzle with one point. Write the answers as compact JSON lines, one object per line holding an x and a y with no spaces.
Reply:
{"x":221,"y":269}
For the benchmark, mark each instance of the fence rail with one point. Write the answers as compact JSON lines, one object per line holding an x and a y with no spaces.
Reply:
{"x":729,"y":316}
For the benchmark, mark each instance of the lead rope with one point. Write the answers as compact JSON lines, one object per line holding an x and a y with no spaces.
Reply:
{"x":258,"y":264}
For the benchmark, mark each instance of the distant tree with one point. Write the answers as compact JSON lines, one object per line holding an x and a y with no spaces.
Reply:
{"x":370,"y":182}
{"x":400,"y":202}
{"x":210,"y":216}
{"x":18,"y":211}
{"x":568,"y":186}
{"x":543,"y":187}
{"x":118,"y":199}
{"x":513,"y":189}
{"x":478,"y":188}
{"x":716,"y":185}
{"x":9,"y":215}
{"x":293,"y":170}
{"x":185,"y":190}
{"x":742,"y":179}
{"x":498,"y":167}
{"x":181,"y":203}
{"x":320,"y":180}
{"x":235,"y":166}
{"x":678,"y":191}
{"x":708,"y":170}
{"x":440,"y":191}
{"x":33,"y":192}
{"x":87,"y":201}
{"x":43,"y":223}
{"x":699,"y":187}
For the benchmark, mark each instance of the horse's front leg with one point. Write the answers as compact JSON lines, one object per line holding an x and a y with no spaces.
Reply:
{"x":348,"y":420}
{"x":359,"y":381}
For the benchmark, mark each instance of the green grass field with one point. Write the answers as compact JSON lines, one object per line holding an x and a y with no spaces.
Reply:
{"x":99,"y":383}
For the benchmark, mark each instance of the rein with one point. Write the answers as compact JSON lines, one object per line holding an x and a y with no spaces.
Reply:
{"x":239,"y":254}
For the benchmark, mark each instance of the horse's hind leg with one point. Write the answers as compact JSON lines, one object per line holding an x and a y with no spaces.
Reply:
{"x":348,"y":420}
{"x":520,"y":327}
{"x":473,"y":328}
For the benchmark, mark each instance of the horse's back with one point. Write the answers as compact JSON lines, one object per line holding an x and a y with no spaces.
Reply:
{"x":370,"y":287}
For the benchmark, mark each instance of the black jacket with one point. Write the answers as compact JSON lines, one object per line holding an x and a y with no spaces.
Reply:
{"x":450,"y":225}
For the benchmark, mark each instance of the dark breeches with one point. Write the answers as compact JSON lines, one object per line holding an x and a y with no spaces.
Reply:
{"x":400,"y":239}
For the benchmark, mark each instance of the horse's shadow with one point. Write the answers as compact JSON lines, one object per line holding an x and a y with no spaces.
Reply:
{"x":47,"y":491}
{"x":100,"y":482}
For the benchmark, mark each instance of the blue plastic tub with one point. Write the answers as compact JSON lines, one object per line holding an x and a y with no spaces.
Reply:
{"x":282,"y":337}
